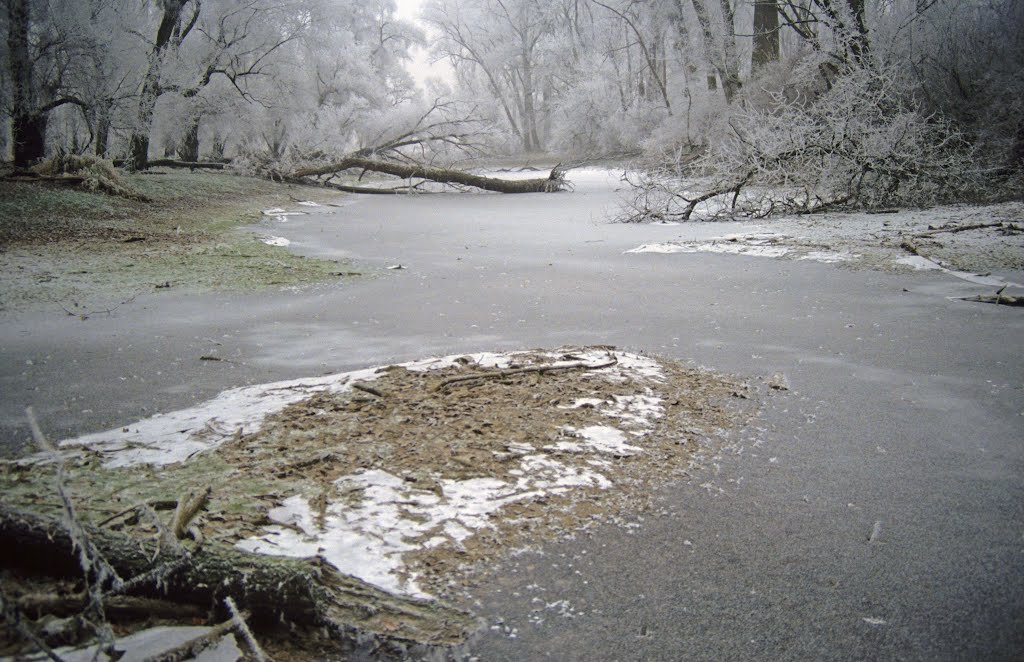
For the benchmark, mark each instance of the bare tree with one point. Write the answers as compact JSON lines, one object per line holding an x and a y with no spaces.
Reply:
{"x":766,"y":34}
{"x":236,"y":43}
{"x":39,"y":53}
{"x":499,"y":40}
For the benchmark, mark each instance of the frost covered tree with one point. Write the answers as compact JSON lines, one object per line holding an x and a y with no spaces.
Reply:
{"x":875,"y":104}
{"x":43,"y":48}
{"x":195,"y":43}
{"x":496,"y":46}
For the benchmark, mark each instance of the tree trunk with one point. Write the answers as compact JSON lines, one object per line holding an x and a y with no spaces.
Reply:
{"x":717,"y":53}
{"x":188,"y":147}
{"x":553,"y":182}
{"x":303,"y":592}
{"x":138,"y":143}
{"x":102,"y":133}
{"x":138,"y":151}
{"x":731,"y":82}
{"x":28,"y":126}
{"x":859,"y":44}
{"x":28,"y":134}
{"x":766,"y":34}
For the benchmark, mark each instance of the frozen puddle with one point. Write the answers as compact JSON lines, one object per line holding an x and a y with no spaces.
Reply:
{"x":271,"y":240}
{"x":370,"y":519}
{"x":281,"y":215}
{"x":757,"y":244}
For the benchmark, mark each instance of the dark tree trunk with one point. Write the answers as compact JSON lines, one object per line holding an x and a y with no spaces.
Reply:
{"x":138,"y":151}
{"x":766,"y":34}
{"x":859,"y":44}
{"x":102,"y":135}
{"x":188,"y":148}
{"x":28,"y":125}
{"x":29,"y":137}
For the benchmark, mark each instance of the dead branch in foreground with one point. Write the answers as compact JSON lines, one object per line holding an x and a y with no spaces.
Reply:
{"x":302,"y":592}
{"x":555,"y":181}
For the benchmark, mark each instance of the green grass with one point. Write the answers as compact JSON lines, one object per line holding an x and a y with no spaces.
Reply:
{"x":62,"y":247}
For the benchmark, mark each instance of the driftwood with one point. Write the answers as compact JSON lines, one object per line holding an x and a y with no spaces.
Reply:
{"x":300,"y":592}
{"x":998,"y":298}
{"x":555,"y":181}
{"x":1002,"y":300}
{"x":56,"y":180}
{"x":509,"y":372}
{"x":173,"y":163}
{"x":957,"y":228}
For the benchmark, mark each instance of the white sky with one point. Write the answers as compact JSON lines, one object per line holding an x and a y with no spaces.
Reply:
{"x":420,"y":67}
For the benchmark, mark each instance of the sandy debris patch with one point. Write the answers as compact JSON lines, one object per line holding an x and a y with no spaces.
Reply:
{"x":411,"y":485}
{"x":408,"y":476}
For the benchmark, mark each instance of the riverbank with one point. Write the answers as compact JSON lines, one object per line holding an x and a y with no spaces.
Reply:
{"x":87,"y":253}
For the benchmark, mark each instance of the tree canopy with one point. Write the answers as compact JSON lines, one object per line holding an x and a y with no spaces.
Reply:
{"x":286,"y":84}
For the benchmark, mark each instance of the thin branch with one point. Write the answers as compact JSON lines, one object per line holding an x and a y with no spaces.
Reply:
{"x":501,"y":374}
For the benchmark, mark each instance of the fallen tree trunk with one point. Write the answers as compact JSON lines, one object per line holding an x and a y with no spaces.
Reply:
{"x":555,"y":181}
{"x":299,"y":592}
{"x":173,"y":163}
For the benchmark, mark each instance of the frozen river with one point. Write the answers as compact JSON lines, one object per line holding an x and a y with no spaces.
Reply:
{"x":876,"y":511}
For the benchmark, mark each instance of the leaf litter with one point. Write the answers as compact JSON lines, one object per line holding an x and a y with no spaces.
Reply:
{"x":410,"y":476}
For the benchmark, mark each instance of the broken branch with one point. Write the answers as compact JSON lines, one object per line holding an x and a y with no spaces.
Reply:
{"x":304,"y":592}
{"x":958,"y":228}
{"x":500,"y":374}
{"x":367,"y":389}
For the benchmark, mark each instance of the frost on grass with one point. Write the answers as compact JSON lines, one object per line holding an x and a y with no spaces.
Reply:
{"x":405,"y":476}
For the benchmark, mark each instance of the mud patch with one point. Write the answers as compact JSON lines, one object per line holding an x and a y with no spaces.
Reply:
{"x":409,"y":476}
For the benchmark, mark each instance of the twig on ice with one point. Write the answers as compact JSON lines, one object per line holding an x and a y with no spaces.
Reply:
{"x":500,"y":374}
{"x":367,"y":389}
{"x":958,"y":228}
{"x":193,"y":647}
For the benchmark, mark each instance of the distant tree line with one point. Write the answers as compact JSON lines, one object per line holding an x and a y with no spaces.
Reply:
{"x":882,"y":100}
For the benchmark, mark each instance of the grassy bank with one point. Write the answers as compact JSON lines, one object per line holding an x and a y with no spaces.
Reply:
{"x":82,"y":251}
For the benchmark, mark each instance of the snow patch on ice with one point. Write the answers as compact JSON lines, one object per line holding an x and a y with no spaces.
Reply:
{"x":828,"y":257}
{"x":281,"y":215}
{"x":380,"y":517}
{"x":924,"y":264}
{"x":271,"y":240}
{"x":177,"y":436}
{"x":729,"y":245}
{"x":600,"y":438}
{"x":758,"y":244}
